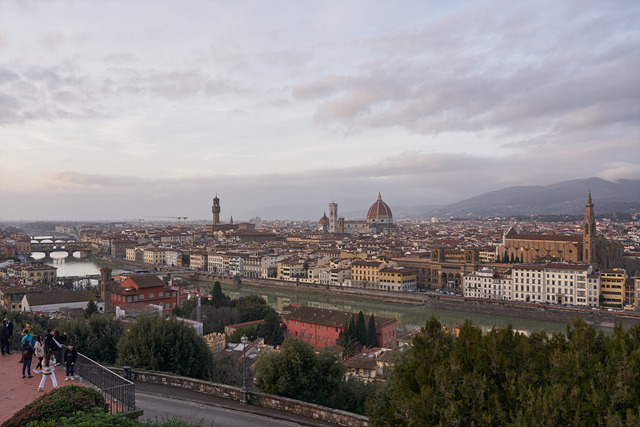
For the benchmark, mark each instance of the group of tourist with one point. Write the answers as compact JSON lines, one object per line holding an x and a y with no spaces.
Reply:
{"x":47,"y":349}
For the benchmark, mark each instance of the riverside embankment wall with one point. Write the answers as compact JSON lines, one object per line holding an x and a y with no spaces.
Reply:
{"x":602,"y":318}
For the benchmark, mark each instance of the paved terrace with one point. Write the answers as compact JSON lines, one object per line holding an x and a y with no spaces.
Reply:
{"x":15,"y":391}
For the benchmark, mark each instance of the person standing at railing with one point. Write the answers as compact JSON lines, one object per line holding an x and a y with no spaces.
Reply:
{"x":48,"y":370}
{"x":70,"y":357}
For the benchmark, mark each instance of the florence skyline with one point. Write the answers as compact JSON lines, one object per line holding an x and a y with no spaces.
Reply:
{"x":124,"y":109}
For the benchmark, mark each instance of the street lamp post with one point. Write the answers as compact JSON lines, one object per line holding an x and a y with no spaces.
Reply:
{"x":244,"y":341}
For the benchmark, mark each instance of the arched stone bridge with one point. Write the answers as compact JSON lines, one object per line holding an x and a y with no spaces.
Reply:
{"x":69,"y":247}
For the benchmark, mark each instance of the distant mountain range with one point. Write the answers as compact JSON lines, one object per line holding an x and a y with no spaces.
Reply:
{"x":563,"y":198}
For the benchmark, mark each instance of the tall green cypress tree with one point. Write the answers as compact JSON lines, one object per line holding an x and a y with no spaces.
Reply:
{"x":372,"y":334}
{"x":217,"y":297}
{"x":361,"y":329}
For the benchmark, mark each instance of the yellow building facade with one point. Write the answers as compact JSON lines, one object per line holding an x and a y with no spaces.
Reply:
{"x":612,"y":284}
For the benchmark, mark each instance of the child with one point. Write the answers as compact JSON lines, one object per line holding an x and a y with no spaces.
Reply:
{"x":70,"y":357}
{"x":48,"y":369}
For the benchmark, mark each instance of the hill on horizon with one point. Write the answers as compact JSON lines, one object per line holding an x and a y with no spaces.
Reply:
{"x":562,"y":198}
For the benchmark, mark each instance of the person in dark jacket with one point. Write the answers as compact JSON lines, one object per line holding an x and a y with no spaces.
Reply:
{"x":48,"y":341}
{"x":10,"y":331}
{"x":4,"y":338}
{"x":27,"y":355}
{"x":70,"y":357}
{"x":56,"y":344}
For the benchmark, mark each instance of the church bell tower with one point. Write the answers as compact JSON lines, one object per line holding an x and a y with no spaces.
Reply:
{"x":589,"y":234}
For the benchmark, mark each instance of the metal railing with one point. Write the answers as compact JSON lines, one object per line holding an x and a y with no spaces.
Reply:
{"x":119,"y":392}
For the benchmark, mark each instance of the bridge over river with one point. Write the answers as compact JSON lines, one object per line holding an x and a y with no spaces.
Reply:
{"x":69,"y":247}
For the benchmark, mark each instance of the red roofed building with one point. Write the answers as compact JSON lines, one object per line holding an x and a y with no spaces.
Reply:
{"x":321,"y":327}
{"x":148,"y":289}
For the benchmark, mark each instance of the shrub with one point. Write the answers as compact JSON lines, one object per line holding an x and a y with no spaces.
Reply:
{"x":58,"y":403}
{"x":97,"y":418}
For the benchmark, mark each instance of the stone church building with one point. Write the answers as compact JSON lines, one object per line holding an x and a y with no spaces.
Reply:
{"x":587,"y":248}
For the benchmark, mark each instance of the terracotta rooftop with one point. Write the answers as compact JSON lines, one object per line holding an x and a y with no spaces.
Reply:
{"x":146,"y":281}
{"x":326,"y":317}
{"x":59,"y":297}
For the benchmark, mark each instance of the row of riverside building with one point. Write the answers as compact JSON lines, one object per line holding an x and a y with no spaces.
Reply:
{"x":556,"y":283}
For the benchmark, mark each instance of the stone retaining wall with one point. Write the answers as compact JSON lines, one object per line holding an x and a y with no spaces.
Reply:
{"x":264,"y":400}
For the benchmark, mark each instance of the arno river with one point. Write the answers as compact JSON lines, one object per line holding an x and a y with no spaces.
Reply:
{"x":410,"y":317}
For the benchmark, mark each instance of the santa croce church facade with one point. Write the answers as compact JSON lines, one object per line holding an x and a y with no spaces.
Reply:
{"x":587,"y":248}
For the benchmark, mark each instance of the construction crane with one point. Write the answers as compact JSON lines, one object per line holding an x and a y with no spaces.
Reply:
{"x":179,"y":218}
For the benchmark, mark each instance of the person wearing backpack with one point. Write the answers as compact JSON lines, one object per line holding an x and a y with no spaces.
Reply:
{"x":27,"y":355}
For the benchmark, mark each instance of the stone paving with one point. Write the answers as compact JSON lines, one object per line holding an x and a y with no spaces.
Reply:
{"x":15,"y":391}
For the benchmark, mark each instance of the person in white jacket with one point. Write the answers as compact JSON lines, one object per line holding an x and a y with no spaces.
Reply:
{"x":39,"y":353}
{"x":48,"y":370}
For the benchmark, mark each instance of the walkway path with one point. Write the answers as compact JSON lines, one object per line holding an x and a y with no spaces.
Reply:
{"x":15,"y":391}
{"x":158,"y":401}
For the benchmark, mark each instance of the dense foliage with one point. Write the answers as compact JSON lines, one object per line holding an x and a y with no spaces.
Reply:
{"x":505,"y":378}
{"x":271,"y":330}
{"x":355,"y":335}
{"x":299,"y":373}
{"x":102,"y":419}
{"x":58,"y":403}
{"x":96,"y":337}
{"x":165,"y":344}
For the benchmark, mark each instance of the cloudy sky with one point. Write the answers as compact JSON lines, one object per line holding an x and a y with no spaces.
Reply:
{"x":126,"y":109}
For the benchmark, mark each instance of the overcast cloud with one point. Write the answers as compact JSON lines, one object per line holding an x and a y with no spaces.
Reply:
{"x":113,"y":110}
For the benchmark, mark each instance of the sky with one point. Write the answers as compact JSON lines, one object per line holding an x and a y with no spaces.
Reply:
{"x":123,"y":110}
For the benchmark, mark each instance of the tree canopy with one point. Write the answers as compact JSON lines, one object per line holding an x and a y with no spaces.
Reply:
{"x":297,"y":372}
{"x":506,"y":378}
{"x":165,"y":344}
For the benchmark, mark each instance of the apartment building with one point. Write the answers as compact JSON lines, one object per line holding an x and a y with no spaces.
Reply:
{"x":612,"y":287}
{"x":154,"y":256}
{"x":399,"y":279}
{"x":488,"y":284}
{"x":174,"y":258}
{"x":366,"y":273}
{"x":198,"y":260}
{"x":557,"y":283}
{"x":291,"y":268}
{"x":134,"y":254}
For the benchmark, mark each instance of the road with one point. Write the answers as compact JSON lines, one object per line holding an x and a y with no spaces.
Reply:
{"x":162,"y":402}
